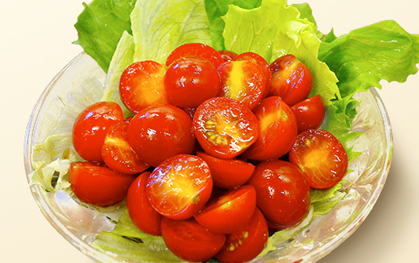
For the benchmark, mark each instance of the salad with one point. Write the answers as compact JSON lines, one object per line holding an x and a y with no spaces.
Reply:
{"x":339,"y":66}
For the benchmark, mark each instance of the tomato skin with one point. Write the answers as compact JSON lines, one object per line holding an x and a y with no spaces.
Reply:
{"x":291,"y":79}
{"x":316,"y":146}
{"x":142,"y":85}
{"x":228,"y":174}
{"x":278,"y":130}
{"x":246,"y":243}
{"x":225,"y":127}
{"x":118,"y":154}
{"x":91,"y":126}
{"x":189,"y":81}
{"x":159,"y":132}
{"x":309,"y":113}
{"x":283,"y":193}
{"x":195,"y":49}
{"x":227,"y":55}
{"x":140,"y":211}
{"x":98,"y":185}
{"x":229,"y":212}
{"x":190,"y":241}
{"x":180,"y":186}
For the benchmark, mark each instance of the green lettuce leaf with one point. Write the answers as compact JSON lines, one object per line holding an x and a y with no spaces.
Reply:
{"x":100,"y":26}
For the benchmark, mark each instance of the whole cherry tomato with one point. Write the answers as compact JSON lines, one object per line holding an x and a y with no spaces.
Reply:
{"x":225,"y":127}
{"x":180,"y":186}
{"x":98,"y":185}
{"x":189,"y":240}
{"x":91,"y":126}
{"x":159,"y":132}
{"x":195,"y":49}
{"x":282,"y":192}
{"x":321,"y":157}
{"x":189,"y":81}
{"x":142,"y":85}
{"x":230,"y":212}
{"x":140,"y":211}
{"x":227,"y":55}
{"x":309,"y":113}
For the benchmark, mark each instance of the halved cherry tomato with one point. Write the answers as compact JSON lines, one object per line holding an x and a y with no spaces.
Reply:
{"x":180,"y":186}
{"x":140,"y":211}
{"x":246,"y":243}
{"x":90,"y":127}
{"x":282,"y":192}
{"x":262,"y":64}
{"x":291,"y":79}
{"x":189,"y":81}
{"x":159,"y":132}
{"x":243,"y":81}
{"x":142,"y":85}
{"x":189,"y":240}
{"x":227,"y":55}
{"x":278,"y":130}
{"x":225,"y":127}
{"x":321,"y":157}
{"x":98,"y":185}
{"x":309,"y":113}
{"x":230,"y":173}
{"x":195,"y":49}
{"x":229,"y":212}
{"x":118,"y":154}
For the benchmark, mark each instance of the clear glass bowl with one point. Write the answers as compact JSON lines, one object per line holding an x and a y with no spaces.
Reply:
{"x":80,"y":225}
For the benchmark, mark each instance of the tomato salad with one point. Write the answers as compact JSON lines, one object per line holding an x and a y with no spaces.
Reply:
{"x":220,"y":148}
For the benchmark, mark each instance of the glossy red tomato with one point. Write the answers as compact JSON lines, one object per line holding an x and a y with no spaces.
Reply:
{"x":195,"y":49}
{"x":180,"y":186}
{"x":291,"y":79}
{"x":227,"y":55}
{"x":118,"y":154}
{"x":246,"y":243}
{"x":98,"y":185}
{"x":230,"y":173}
{"x":229,"y":212}
{"x":190,"y":241}
{"x":262,"y":64}
{"x":278,"y":130}
{"x":189,"y":81}
{"x":243,"y":81}
{"x":91,"y":126}
{"x":282,"y":192}
{"x":225,"y":127}
{"x":140,"y":211}
{"x":159,"y":132}
{"x":309,"y":113}
{"x":321,"y":157}
{"x":142,"y":85}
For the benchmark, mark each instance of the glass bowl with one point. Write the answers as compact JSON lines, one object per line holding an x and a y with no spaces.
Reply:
{"x":80,"y":225}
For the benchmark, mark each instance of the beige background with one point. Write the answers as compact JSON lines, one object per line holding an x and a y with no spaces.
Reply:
{"x":35,"y":43}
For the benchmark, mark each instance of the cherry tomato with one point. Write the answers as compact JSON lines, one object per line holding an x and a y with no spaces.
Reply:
{"x":278,"y":130}
{"x":243,"y":81}
{"x":98,"y":185}
{"x":195,"y":49}
{"x":180,"y":186}
{"x":282,"y":192}
{"x":118,"y":154}
{"x":229,"y":212}
{"x":189,"y":81}
{"x":225,"y":127}
{"x":227,"y":55}
{"x":140,"y":211}
{"x":159,"y":132}
{"x":189,"y":240}
{"x":246,"y":243}
{"x":321,"y":157}
{"x":90,"y":127}
{"x":291,"y":79}
{"x":262,"y":64}
{"x":309,"y":113}
{"x":230,"y":173}
{"x":142,"y":85}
